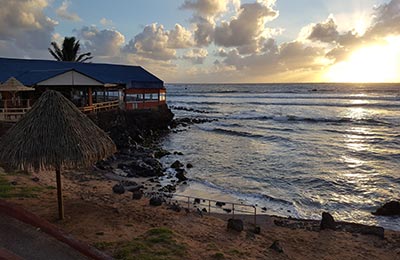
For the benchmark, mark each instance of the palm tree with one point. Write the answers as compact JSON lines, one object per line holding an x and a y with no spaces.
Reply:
{"x":69,"y":51}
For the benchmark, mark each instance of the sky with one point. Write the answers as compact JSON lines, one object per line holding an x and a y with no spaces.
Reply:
{"x":217,"y":41}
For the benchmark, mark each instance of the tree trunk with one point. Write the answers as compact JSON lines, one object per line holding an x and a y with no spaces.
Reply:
{"x":59,"y":195}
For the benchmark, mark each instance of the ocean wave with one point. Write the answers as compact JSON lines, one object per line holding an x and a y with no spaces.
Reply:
{"x":292,"y":118}
{"x":249,"y":95}
{"x":304,"y":104}
{"x":250,"y":135}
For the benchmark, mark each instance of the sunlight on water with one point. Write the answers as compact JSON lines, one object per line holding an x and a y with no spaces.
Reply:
{"x":294,"y":150}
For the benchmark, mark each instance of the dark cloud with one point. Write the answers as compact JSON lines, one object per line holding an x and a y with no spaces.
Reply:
{"x":325,"y":31}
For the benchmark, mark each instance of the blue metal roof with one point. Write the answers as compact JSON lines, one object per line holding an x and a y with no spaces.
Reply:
{"x":31,"y":72}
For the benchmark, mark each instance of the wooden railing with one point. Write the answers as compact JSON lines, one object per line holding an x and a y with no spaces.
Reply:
{"x":12,"y":114}
{"x":109,"y":105}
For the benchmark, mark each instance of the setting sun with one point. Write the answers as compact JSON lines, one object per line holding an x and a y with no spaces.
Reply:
{"x":376,"y":63}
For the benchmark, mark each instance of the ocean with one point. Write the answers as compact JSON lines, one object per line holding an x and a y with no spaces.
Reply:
{"x":295,"y":149}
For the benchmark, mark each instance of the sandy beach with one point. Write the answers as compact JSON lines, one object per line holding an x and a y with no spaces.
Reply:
{"x":125,"y":228}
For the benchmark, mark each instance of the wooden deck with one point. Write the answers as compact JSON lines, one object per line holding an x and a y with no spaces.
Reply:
{"x":14,"y":114}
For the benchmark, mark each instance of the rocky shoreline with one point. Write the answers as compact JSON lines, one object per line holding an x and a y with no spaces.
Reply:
{"x":137,"y":164}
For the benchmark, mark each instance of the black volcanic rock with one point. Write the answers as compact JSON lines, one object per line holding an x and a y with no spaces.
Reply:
{"x":391,"y":208}
{"x":327,"y":222}
{"x":235,"y":224}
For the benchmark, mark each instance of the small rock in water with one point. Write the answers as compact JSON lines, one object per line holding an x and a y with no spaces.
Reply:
{"x":35,"y":179}
{"x":14,"y":183}
{"x":177,"y":164}
{"x":180,"y":175}
{"x":235,"y":224}
{"x":277,"y":246}
{"x":391,"y":208}
{"x":327,"y":222}
{"x":189,"y":165}
{"x":118,"y":189}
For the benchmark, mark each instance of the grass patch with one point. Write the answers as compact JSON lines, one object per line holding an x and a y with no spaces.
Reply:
{"x":155,"y":244}
{"x":7,"y":190}
{"x":236,"y":252}
{"x":103,"y":245}
{"x":218,"y":256}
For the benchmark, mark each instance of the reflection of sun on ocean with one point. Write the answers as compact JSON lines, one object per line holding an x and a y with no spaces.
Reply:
{"x":376,"y":63}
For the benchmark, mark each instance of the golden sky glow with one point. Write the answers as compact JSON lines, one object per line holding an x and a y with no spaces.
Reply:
{"x":375,"y":63}
{"x":218,"y":41}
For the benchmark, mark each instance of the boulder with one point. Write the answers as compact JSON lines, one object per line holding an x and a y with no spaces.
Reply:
{"x":175,"y":207}
{"x":168,"y":188}
{"x":156,"y":201}
{"x":161,"y":153}
{"x":177,"y":164}
{"x":133,"y":188}
{"x":391,"y":208}
{"x":220,"y":204}
{"x":235,"y":224}
{"x":180,"y":175}
{"x":137,"y":195}
{"x":277,"y":246}
{"x":146,"y":168}
{"x":327,"y":222}
{"x":118,"y":189}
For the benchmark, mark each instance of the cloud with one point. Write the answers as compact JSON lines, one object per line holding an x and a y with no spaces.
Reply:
{"x":207,"y":8}
{"x":196,"y":56}
{"x":102,"y":44}
{"x":64,"y":13}
{"x":154,"y":42}
{"x":386,"y":20}
{"x":106,"y":22}
{"x":180,"y":38}
{"x":246,"y":28}
{"x":151,"y":43}
{"x":325,"y":31}
{"x":25,"y":28}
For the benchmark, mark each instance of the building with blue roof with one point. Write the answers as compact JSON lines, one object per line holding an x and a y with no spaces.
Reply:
{"x":91,"y":86}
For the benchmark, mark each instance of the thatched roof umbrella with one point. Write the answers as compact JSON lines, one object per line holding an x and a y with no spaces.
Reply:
{"x":54,"y":134}
{"x":13,"y":86}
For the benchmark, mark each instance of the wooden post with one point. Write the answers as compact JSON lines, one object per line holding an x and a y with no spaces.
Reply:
{"x":59,"y":195}
{"x":90,"y":97}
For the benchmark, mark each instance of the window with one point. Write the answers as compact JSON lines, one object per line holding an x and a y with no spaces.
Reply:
{"x":151,"y":96}
{"x":163,"y":96}
{"x":134,"y":97}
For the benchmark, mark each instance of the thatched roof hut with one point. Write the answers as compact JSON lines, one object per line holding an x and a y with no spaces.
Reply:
{"x":54,"y":134}
{"x":13,"y":85}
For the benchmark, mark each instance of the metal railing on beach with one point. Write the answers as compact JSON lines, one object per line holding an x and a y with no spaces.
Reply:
{"x":208,"y":204}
